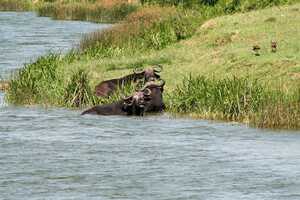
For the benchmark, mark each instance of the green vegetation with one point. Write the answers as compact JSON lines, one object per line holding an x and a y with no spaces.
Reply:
{"x":236,"y":99}
{"x":15,"y":5}
{"x":226,"y":5}
{"x":102,"y":11}
{"x":86,"y":11}
{"x":210,"y":68}
{"x":146,"y":29}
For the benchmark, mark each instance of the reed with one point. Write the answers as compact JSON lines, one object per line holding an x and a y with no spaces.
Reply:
{"x":36,"y":83}
{"x":225,"y":6}
{"x":86,"y":11}
{"x":236,"y":99}
{"x":42,"y":83}
{"x":15,"y":5}
{"x":78,"y":92}
{"x":281,"y":111}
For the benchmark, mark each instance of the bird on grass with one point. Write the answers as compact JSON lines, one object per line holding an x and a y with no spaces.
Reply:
{"x":274,"y":46}
{"x":256,"y":49}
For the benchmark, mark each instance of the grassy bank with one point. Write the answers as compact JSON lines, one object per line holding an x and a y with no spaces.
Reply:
{"x":16,"y":5}
{"x":100,"y":11}
{"x":111,"y":11}
{"x":227,"y":80}
{"x":237,"y":99}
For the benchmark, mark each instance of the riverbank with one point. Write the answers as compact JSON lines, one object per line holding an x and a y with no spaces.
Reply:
{"x":16,"y":5}
{"x":101,"y":11}
{"x":219,"y":49}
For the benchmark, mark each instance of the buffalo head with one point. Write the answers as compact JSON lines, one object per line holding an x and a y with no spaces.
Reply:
{"x":147,"y":99}
{"x":136,"y":104}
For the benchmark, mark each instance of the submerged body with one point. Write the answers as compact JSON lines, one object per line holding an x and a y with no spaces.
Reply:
{"x":109,"y":109}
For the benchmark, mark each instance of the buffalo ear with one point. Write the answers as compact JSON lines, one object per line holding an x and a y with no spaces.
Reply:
{"x":127,"y":99}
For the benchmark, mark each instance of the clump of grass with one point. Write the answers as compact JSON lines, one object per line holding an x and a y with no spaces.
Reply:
{"x":42,"y":83}
{"x":231,"y":98}
{"x":78,"y":92}
{"x":281,"y":111}
{"x":236,"y":99}
{"x":15,"y":5}
{"x":96,"y":12}
{"x":36,"y":82}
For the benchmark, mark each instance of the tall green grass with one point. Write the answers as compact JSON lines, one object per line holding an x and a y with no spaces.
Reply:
{"x":15,"y":5}
{"x":95,"y":12}
{"x":226,"y":6}
{"x":43,"y":83}
{"x":37,"y":83}
{"x":236,"y":99}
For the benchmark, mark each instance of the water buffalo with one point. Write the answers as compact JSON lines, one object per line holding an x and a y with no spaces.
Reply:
{"x":148,"y":99}
{"x":107,"y":87}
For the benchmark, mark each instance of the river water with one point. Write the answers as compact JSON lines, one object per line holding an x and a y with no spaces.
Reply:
{"x":58,"y":154}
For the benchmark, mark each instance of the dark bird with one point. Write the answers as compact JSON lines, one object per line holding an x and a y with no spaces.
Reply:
{"x":274,"y":46}
{"x":256,"y":49}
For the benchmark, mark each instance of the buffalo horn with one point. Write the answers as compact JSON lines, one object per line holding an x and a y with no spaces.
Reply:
{"x":128,"y":100}
{"x":138,"y":70}
{"x":155,"y":85}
